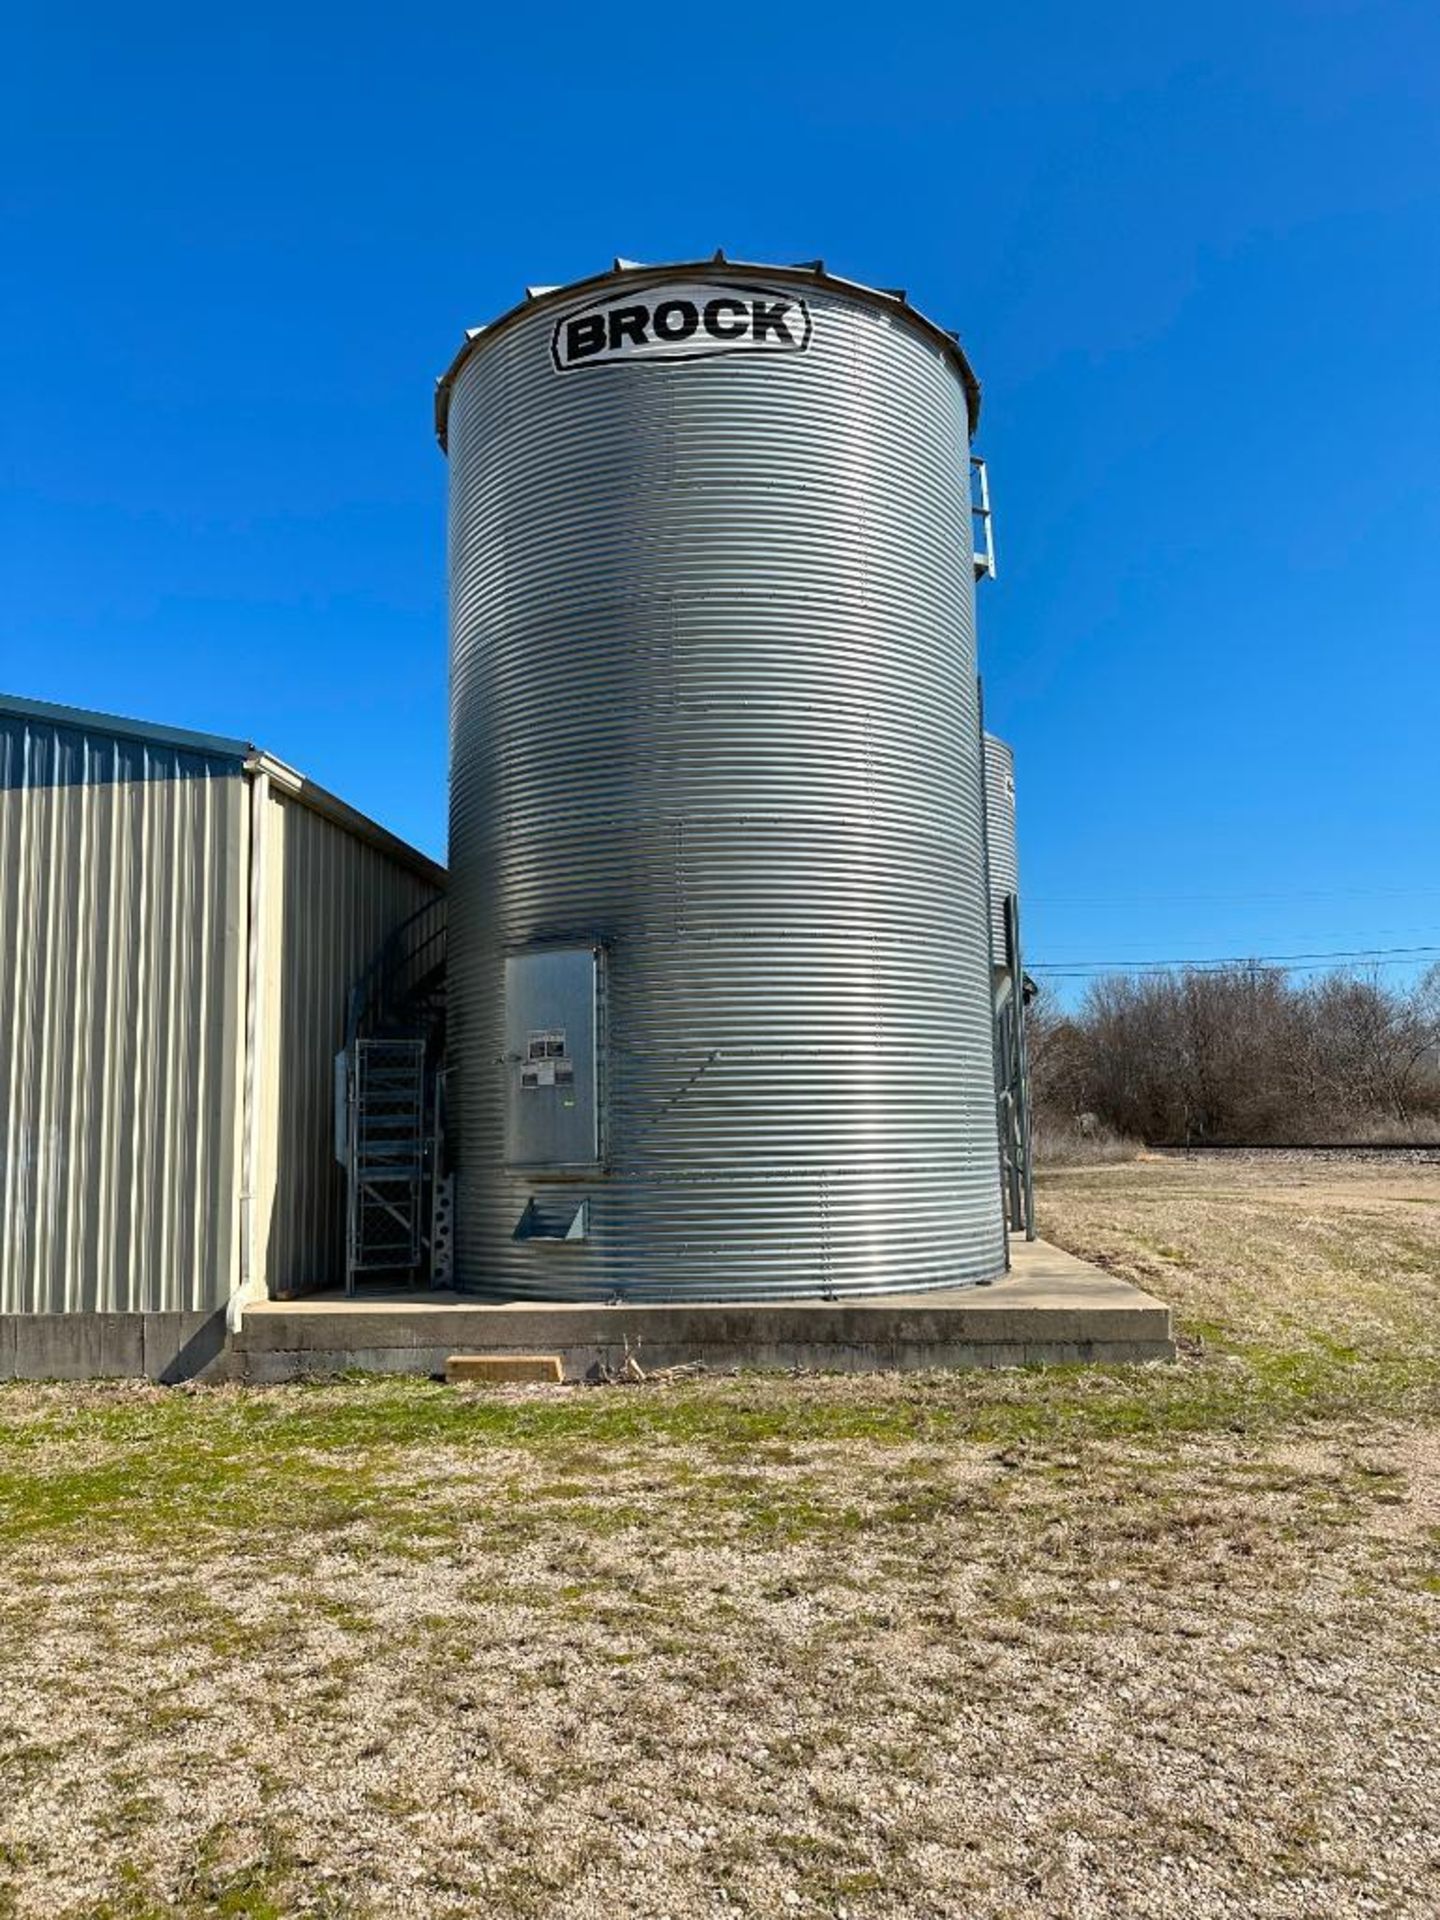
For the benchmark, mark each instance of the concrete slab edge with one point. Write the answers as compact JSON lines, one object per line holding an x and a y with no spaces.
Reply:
{"x":270,"y":1365}
{"x":524,"y":1327}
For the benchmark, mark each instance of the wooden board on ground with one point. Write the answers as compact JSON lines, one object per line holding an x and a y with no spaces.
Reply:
{"x":528,"y":1367}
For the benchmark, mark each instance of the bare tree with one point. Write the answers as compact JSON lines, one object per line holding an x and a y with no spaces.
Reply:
{"x":1241,"y":1053}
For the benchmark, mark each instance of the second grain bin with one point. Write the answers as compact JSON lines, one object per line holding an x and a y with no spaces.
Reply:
{"x":720,"y":994}
{"x":1000,"y":846}
{"x":1012,"y":1070}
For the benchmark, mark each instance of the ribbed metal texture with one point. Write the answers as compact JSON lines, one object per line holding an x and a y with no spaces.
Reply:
{"x":1000,"y":835}
{"x":121,"y":897}
{"x":124,"y":929}
{"x":714,"y":708}
{"x":331,"y":899}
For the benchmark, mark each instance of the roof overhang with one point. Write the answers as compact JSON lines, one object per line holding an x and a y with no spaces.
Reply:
{"x":340,"y":813}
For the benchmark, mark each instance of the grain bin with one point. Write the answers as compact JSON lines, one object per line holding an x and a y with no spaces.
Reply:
{"x":1000,"y":843}
{"x":1012,"y":1066}
{"x":720,"y":994}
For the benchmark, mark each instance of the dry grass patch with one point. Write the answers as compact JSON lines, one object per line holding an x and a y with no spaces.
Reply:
{"x":1294,"y":1256}
{"x":1140,"y":1643}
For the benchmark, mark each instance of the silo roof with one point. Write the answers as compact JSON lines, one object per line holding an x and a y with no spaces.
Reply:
{"x":801,"y":273}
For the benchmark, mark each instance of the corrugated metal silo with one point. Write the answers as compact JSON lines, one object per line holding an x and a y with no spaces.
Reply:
{"x":1012,"y":1070}
{"x":1000,"y":842}
{"x":720,"y":992}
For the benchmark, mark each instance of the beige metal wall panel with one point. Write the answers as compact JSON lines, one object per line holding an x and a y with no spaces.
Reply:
{"x":330,"y":899}
{"x":122,"y":911}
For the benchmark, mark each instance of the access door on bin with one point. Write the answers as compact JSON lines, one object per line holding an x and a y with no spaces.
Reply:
{"x":552,"y":1005}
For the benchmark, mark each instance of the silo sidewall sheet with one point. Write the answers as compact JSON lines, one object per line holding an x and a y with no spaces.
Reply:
{"x":714,"y":710}
{"x":1000,"y":835}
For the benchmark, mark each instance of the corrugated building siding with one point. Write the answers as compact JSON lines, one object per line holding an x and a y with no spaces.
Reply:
{"x":125,"y":896}
{"x":122,"y":911}
{"x":331,"y":899}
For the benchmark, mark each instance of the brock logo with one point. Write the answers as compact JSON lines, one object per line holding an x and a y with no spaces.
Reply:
{"x":681,"y":322}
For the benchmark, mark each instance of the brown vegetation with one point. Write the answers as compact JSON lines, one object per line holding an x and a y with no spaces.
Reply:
{"x":1241,"y":1054}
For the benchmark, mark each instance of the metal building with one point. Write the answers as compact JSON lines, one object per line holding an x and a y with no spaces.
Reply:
{"x":181,"y":921}
{"x":1012,"y":1071}
{"x":720,"y":996}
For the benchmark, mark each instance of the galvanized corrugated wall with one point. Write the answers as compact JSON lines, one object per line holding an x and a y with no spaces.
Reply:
{"x":121,"y":903}
{"x":1000,"y":838}
{"x":714,"y":706}
{"x":330,"y":899}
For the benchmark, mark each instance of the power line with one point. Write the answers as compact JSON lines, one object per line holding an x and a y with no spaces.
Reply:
{"x":1054,"y":977}
{"x":1288,"y":962}
{"x":1151,"y":897}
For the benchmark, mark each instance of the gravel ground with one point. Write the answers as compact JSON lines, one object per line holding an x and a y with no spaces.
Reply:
{"x":1159,"y":1642}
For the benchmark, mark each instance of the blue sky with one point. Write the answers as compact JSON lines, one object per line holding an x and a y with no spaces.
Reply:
{"x":1194,"y":255}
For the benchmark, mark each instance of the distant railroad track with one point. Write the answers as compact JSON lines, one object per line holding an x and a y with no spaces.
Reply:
{"x":1352,"y":1148}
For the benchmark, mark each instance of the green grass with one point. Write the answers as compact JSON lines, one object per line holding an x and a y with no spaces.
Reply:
{"x":1286,"y":1317}
{"x":255,"y":1890}
{"x":309,"y":1461}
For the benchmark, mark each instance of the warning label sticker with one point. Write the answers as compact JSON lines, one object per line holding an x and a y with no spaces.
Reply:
{"x":546,"y":1062}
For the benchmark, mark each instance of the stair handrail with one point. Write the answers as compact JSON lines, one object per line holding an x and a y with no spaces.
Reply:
{"x":396,"y":969}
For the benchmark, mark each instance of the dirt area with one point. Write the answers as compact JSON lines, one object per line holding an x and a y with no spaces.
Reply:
{"x":1152,"y":1642}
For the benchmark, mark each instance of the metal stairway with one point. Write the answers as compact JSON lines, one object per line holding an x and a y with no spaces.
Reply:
{"x":389,"y":1131}
{"x":386,"y":1157}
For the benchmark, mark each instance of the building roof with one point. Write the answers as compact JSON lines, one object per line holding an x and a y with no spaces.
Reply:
{"x":246,"y":758}
{"x":802,"y":273}
{"x":118,"y":727}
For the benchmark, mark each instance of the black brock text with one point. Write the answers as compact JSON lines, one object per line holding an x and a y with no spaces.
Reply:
{"x":726,"y":319}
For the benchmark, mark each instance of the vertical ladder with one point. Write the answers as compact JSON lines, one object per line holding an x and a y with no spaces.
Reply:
{"x":442,"y":1195}
{"x":982,"y":519}
{"x":386,"y":1155}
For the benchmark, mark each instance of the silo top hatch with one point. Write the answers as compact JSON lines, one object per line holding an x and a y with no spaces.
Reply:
{"x":688,"y":325}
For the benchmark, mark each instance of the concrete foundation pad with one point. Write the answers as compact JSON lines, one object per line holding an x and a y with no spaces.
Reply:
{"x":1050,"y":1310}
{"x":165,"y":1346}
